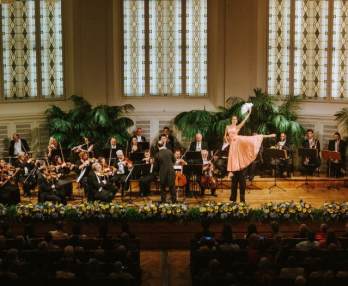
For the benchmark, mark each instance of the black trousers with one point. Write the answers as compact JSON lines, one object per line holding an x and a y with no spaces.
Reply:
{"x":145,"y":184}
{"x":238,"y":179}
{"x":171,"y":191}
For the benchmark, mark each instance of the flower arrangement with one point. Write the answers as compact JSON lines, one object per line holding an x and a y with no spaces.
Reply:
{"x":334,"y":211}
{"x":213,"y":210}
{"x":286,"y":211}
{"x":289,"y":211}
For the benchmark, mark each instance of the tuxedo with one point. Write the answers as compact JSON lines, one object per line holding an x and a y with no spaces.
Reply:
{"x":198,"y":146}
{"x":139,"y":138}
{"x":113,"y":149}
{"x":313,"y":163}
{"x":24,"y":147}
{"x":284,"y":164}
{"x":338,"y":146}
{"x":50,"y":191}
{"x":164,"y":163}
{"x":99,"y":189}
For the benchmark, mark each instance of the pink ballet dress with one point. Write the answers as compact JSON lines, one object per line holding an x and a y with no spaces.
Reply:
{"x":243,"y":149}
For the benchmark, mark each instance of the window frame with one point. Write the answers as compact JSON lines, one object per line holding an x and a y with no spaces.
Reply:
{"x":147,"y":94}
{"x":39,"y":97}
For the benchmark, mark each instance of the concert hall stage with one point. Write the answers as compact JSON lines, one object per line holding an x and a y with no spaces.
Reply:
{"x":318,"y":191}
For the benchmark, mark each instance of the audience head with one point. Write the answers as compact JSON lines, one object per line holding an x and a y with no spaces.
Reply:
{"x":303,"y":230}
{"x":251,"y":229}
{"x":227,"y":234}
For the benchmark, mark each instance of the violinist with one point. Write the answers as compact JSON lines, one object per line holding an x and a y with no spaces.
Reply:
{"x":9,"y":191}
{"x":52,"y":149}
{"x":64,"y":169}
{"x":147,"y":174}
{"x":208,"y":180}
{"x":86,"y":146}
{"x":123,"y":166}
{"x":27,"y":174}
{"x":98,"y":187}
{"x":49,"y":188}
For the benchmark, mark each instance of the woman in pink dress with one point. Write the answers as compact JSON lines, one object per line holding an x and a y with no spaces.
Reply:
{"x":243,"y":149}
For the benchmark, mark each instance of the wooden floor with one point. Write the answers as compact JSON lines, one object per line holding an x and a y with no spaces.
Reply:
{"x":317,"y":191}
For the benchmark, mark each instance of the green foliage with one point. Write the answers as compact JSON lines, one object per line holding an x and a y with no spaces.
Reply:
{"x":266,"y":117}
{"x":99,"y":123}
{"x":342,"y":118}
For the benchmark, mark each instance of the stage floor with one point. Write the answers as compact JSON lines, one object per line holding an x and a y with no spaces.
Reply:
{"x":318,"y":191}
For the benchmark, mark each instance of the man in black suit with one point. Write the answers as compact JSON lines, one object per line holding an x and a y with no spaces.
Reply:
{"x":110,"y":153}
{"x":98,"y":187}
{"x":198,"y":145}
{"x":338,"y":145}
{"x":170,"y":143}
{"x":309,"y":165}
{"x":284,"y":163}
{"x":238,"y":179}
{"x":164,"y":163}
{"x":18,"y":145}
{"x":139,"y":135}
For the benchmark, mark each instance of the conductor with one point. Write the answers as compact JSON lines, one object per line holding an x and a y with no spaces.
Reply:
{"x":164,"y":163}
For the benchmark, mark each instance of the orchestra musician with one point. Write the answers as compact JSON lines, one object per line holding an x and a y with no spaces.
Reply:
{"x":53,"y":149}
{"x":9,"y":190}
{"x":27,"y":174}
{"x":310,"y":165}
{"x":86,"y":146}
{"x":198,"y":145}
{"x":338,"y":145}
{"x":82,"y":169}
{"x":164,"y":163}
{"x":49,"y":189}
{"x":123,"y":166}
{"x":98,"y":186}
{"x":147,"y":174}
{"x":284,"y":163}
{"x":110,"y":153}
{"x":138,"y":134}
{"x":207,"y":180}
{"x":18,"y":145}
{"x":133,"y":146}
{"x":64,"y":170}
{"x":163,"y":138}
{"x":180,"y":178}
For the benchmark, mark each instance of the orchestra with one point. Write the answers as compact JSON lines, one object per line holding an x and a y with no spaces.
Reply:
{"x":102,"y":177}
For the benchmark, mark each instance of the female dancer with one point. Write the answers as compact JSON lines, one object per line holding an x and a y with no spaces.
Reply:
{"x":243,"y":149}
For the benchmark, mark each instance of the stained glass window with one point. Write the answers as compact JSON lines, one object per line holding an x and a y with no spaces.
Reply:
{"x":318,"y":41}
{"x":134,"y":47}
{"x":340,"y":50}
{"x":279,"y":47}
{"x":310,"y":48}
{"x":153,"y":42}
{"x":19,"y":49}
{"x":165,"y":47}
{"x":196,"y":47}
{"x":51,"y":48}
{"x":23,"y":45}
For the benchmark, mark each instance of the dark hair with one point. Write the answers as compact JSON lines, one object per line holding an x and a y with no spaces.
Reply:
{"x":251,"y":229}
{"x":166,"y":127}
{"x":227,"y":234}
{"x":309,"y":130}
{"x":338,"y":134}
{"x":275,"y":226}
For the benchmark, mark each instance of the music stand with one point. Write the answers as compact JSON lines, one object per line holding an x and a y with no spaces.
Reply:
{"x":312,"y":155}
{"x":193,"y":157}
{"x":274,"y":155}
{"x":331,"y":156}
{"x":136,"y":157}
{"x":143,"y":146}
{"x":193,"y":171}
